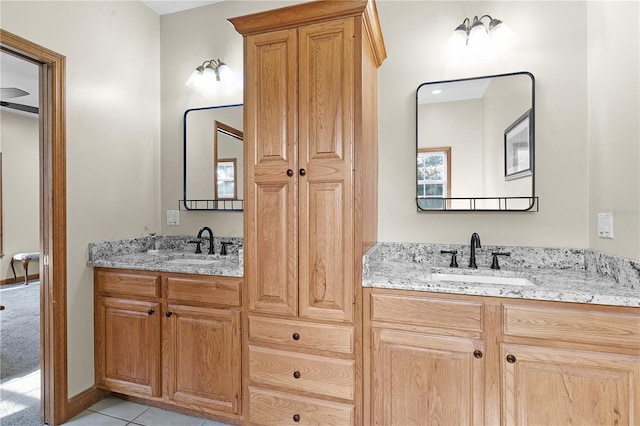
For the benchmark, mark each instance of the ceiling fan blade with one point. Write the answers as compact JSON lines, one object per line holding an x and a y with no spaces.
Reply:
{"x":19,"y":107}
{"x":11,"y":92}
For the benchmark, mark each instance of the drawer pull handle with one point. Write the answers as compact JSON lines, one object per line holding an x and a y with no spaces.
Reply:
{"x":296,"y":418}
{"x":296,"y":336}
{"x":151,"y":311}
{"x":289,"y":172}
{"x":477,"y":353}
{"x":511,"y":359}
{"x":303,"y":172}
{"x":296,"y":374}
{"x":168,"y":314}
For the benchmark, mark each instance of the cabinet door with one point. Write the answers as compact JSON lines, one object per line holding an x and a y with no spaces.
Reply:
{"x":326,"y":136}
{"x":551,"y":386}
{"x":202,"y":358}
{"x":426,"y":380}
{"x":271,"y":246}
{"x":127,"y":336}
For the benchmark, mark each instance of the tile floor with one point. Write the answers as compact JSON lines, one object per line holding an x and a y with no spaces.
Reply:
{"x":113,"y":411}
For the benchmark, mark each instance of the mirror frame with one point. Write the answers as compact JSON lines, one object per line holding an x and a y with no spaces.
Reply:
{"x":225,"y":204}
{"x":502,"y":201}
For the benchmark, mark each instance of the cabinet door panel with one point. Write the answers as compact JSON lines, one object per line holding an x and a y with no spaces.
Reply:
{"x":271,"y":249}
{"x":128,"y":346}
{"x":426,"y":380}
{"x":586,"y":387}
{"x":202,"y":350}
{"x":326,"y":144}
{"x":271,"y":106}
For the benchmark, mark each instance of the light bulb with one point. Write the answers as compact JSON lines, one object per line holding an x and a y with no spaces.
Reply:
{"x":502,"y":37}
{"x":195,"y":79}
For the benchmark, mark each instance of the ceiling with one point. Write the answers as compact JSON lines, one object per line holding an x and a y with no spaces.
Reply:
{"x":17,"y":73}
{"x":163,"y":7}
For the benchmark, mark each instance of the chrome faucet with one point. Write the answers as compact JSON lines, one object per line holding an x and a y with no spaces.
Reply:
{"x":206,"y":228}
{"x":475,"y":243}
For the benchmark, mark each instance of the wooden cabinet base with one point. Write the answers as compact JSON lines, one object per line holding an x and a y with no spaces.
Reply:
{"x":171,"y":339}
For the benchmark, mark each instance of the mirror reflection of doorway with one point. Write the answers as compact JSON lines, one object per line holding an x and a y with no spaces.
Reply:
{"x":20,"y":375}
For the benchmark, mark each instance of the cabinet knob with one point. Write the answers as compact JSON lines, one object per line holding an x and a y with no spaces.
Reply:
{"x":151,"y":311}
{"x":296,"y":336}
{"x":296,"y":374}
{"x":296,"y":418}
{"x":477,"y":353}
{"x":511,"y":359}
{"x":289,"y":172}
{"x":168,"y":314}
{"x":303,"y":172}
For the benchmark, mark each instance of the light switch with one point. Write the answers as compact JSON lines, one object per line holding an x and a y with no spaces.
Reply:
{"x":173,"y":217}
{"x":605,"y":225}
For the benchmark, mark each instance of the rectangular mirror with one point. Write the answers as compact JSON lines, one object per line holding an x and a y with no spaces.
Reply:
{"x":213,"y":159}
{"x":475,"y":144}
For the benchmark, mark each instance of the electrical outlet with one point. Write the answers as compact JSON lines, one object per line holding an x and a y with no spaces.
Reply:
{"x":605,"y":225}
{"x":173,"y":217}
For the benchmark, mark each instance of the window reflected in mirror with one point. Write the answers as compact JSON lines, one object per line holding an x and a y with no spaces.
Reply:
{"x":434,"y":177}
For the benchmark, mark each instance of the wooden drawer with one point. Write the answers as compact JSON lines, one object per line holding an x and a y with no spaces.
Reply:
{"x":299,"y":334}
{"x":590,"y":326}
{"x":203,"y":289}
{"x":427,"y":311}
{"x":317,"y":374}
{"x":269,"y":407}
{"x":128,"y":283}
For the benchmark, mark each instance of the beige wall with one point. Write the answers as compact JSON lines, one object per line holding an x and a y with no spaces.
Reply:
{"x":112,"y":54}
{"x":614,"y":124}
{"x":19,"y":144}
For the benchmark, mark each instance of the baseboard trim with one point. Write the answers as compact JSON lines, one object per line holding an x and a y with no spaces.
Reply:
{"x":84,"y":400}
{"x":19,"y":279}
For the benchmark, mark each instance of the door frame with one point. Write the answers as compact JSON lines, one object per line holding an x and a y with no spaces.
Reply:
{"x":53,"y":224}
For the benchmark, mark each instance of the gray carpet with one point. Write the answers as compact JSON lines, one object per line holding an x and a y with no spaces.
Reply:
{"x":20,"y":354}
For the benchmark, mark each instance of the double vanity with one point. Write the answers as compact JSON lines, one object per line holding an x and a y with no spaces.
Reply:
{"x":552,"y":335}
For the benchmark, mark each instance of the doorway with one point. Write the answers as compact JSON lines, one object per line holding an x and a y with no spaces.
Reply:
{"x":53,"y":259}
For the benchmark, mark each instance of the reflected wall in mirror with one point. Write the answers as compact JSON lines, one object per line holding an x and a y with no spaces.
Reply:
{"x":213,"y":159}
{"x":471,"y":136}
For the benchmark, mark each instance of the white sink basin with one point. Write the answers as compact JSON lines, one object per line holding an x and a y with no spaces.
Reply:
{"x":484,"y":279}
{"x":187,"y":261}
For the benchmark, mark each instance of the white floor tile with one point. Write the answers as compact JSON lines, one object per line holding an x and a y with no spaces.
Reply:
{"x":158,"y":417}
{"x":90,"y":418}
{"x":116,"y":407}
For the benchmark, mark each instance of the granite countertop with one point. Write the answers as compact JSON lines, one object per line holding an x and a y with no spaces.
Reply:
{"x":171,"y":261}
{"x":559,"y":282}
{"x":175,"y":254}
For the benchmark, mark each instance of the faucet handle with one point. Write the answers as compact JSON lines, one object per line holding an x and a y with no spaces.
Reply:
{"x":198,"y":241}
{"x":454,"y":260}
{"x":494,"y":263}
{"x":224,"y":244}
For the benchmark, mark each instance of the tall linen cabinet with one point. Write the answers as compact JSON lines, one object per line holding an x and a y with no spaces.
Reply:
{"x":311,"y":135}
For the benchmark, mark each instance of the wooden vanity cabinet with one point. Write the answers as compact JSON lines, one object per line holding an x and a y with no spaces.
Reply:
{"x":127,"y":333}
{"x":443,"y":358}
{"x":310,"y":127}
{"x":172,"y":339}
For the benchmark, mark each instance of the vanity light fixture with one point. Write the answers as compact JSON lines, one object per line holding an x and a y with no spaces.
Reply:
{"x":206,"y":77}
{"x":477,"y":36}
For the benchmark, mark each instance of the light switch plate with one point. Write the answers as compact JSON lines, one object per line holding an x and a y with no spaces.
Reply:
{"x":605,"y":225}
{"x":173,"y":217}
